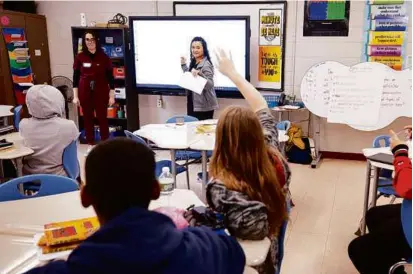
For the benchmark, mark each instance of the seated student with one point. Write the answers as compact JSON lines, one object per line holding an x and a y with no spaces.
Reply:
{"x":385,"y":244}
{"x":120,"y":184}
{"x":46,"y":132}
{"x":247,"y":169}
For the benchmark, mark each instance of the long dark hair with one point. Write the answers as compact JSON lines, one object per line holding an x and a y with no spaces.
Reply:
{"x":84,"y":47}
{"x":206,"y":51}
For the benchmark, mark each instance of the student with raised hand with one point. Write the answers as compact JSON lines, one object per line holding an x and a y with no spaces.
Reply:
{"x":120,"y":184}
{"x":385,"y":244}
{"x":250,"y":177}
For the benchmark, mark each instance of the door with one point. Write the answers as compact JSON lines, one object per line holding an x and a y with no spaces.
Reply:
{"x":36,"y":33}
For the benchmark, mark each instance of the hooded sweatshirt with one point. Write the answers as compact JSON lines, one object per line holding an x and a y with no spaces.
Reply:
{"x":46,"y":133}
{"x":147,"y":242}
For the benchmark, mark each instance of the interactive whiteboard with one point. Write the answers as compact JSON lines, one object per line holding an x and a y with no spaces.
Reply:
{"x":159,"y":42}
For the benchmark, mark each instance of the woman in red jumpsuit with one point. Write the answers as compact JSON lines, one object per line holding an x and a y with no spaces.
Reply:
{"x":93,"y":86}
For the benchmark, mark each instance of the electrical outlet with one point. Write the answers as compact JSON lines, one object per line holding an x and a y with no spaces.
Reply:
{"x":159,"y":103}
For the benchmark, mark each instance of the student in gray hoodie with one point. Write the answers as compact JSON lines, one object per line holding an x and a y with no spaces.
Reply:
{"x":46,"y":132}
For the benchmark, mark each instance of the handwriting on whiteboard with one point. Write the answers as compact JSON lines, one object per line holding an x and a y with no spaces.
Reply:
{"x":368,"y":99}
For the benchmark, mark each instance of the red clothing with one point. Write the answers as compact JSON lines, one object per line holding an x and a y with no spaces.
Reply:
{"x":403,"y":172}
{"x":93,"y":67}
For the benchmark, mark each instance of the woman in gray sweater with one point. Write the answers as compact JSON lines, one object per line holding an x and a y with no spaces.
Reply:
{"x":202,"y":105}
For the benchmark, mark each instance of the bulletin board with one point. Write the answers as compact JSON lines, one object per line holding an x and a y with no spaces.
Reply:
{"x":385,"y":32}
{"x":267,"y":42}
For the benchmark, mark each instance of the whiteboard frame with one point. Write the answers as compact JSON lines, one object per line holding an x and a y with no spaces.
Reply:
{"x":284,"y":22}
{"x":179,"y":91}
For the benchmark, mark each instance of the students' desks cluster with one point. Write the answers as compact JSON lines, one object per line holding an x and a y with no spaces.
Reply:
{"x":176,"y":137}
{"x":5,"y":113}
{"x":21,"y":220}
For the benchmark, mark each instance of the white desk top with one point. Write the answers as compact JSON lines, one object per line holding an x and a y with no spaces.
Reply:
{"x":17,"y":220}
{"x":171,"y":136}
{"x":367,"y":152}
{"x":5,"y":111}
{"x":18,"y":150}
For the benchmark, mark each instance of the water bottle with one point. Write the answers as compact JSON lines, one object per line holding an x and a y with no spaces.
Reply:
{"x":166,"y":181}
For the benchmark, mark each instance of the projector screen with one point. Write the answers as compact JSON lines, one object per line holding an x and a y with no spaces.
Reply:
{"x":159,"y":42}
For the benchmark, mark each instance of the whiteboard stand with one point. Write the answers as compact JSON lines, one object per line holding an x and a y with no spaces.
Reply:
{"x":316,"y":130}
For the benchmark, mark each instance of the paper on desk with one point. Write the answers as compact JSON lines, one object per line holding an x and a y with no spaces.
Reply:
{"x":195,"y":84}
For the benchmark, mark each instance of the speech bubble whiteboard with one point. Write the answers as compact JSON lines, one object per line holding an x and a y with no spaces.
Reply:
{"x":395,"y":92}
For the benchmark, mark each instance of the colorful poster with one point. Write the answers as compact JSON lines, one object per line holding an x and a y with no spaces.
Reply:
{"x":269,"y":66}
{"x":395,"y":62}
{"x":19,"y":61}
{"x":271,"y":48}
{"x":326,"y":18}
{"x":270,"y":27}
{"x":390,"y":38}
{"x":384,"y":51}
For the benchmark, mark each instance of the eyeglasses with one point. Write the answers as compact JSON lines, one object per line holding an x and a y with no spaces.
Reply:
{"x":90,"y":39}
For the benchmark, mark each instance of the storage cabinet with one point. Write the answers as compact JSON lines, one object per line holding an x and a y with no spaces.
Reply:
{"x":115,"y":42}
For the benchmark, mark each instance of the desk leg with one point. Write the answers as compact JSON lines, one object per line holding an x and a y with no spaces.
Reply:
{"x":374,"y":188}
{"x":204,"y":171}
{"x":316,"y":139}
{"x":366,"y":198}
{"x":173,"y":165}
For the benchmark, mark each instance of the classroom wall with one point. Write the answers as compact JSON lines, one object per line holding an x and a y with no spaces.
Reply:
{"x":301,"y":54}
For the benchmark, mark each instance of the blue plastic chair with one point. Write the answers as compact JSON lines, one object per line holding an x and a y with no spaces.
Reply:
{"x":281,"y":238}
{"x":134,"y":137}
{"x":184,"y":155}
{"x":284,"y":125}
{"x":49,"y":185}
{"x":159,"y":164}
{"x":385,"y":184}
{"x":70,"y":160}
{"x":17,"y":113}
{"x":406,"y":216}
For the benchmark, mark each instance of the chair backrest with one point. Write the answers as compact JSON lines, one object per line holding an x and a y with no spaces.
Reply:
{"x":17,"y":112}
{"x":284,"y":125}
{"x":381,"y":138}
{"x":407,"y":220}
{"x":49,"y":185}
{"x":377,"y":142}
{"x":70,"y":160}
{"x":135,"y":138}
{"x":186,"y":118}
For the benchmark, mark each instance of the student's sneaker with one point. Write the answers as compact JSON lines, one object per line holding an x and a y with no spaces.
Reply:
{"x":89,"y":149}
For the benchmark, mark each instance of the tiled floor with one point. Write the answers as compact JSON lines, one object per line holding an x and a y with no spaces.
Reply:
{"x":329,"y":203}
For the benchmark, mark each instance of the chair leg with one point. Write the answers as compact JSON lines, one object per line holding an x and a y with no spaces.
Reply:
{"x":187,"y":174}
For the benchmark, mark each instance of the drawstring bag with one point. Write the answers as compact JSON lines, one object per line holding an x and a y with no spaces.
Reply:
{"x":298,"y":149}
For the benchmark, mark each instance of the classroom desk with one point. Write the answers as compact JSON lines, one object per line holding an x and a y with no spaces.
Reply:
{"x":5,"y":113}
{"x":16,"y":152}
{"x":173,"y":137}
{"x":21,"y":220}
{"x":375,"y":166}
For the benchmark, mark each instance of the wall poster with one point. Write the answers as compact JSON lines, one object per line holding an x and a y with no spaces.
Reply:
{"x":271,"y":31}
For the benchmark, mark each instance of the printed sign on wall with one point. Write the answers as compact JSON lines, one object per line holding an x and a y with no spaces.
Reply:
{"x":270,"y":43}
{"x":386,"y":32}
